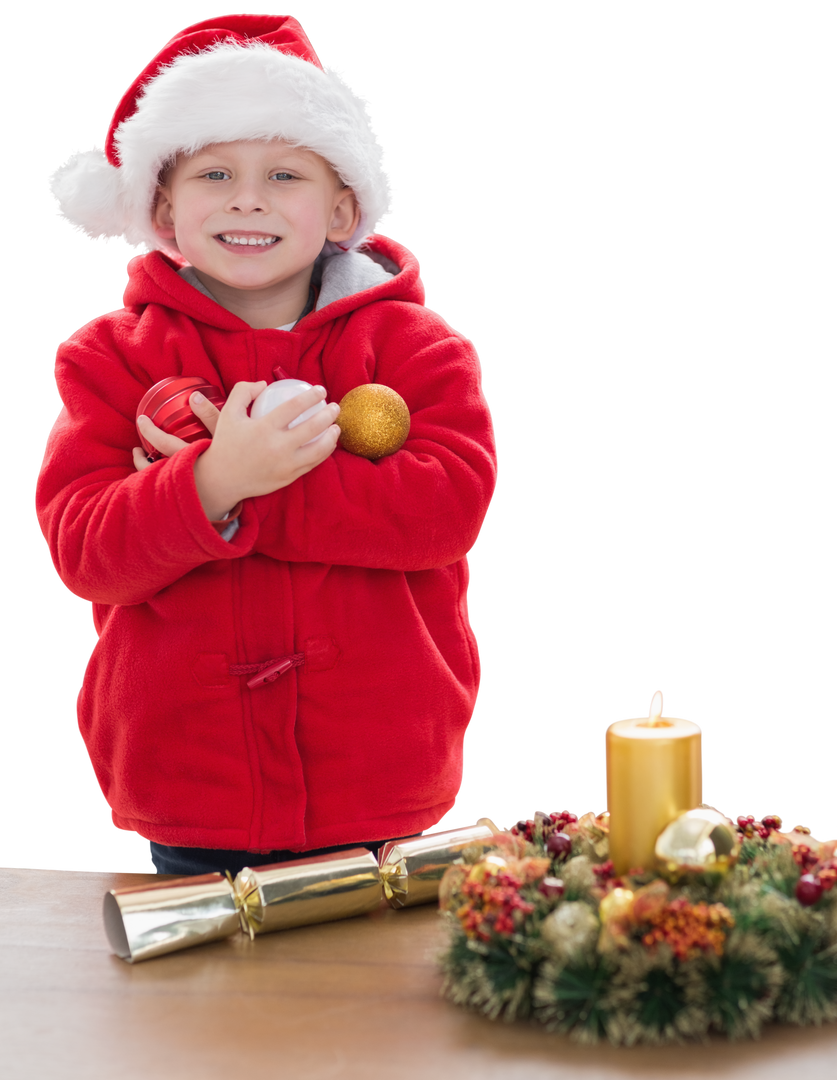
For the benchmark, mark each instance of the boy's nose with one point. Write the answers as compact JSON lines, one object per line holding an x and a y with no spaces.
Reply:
{"x":247,"y":200}
{"x":246,"y":206}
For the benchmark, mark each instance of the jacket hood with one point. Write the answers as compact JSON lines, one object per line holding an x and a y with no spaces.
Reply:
{"x":381,"y":270}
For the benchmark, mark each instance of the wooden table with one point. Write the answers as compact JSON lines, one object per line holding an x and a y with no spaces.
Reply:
{"x":352,"y":999}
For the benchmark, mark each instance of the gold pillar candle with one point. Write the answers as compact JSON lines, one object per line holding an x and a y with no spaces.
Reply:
{"x":653,"y":775}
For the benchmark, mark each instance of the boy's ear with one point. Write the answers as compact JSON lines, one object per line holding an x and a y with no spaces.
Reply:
{"x":162,"y":218}
{"x":345,"y":218}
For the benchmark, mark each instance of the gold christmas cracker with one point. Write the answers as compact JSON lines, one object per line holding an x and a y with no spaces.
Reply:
{"x":314,"y":890}
{"x":150,"y":920}
{"x":411,"y":870}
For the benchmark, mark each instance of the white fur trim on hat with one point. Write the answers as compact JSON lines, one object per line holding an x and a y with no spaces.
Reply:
{"x":223,"y":94}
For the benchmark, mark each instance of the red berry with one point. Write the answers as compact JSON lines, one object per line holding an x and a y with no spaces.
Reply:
{"x":551,"y":887}
{"x":746,"y":825}
{"x":559,"y":845}
{"x":521,"y":826}
{"x":808,"y":890}
{"x":772,"y":821}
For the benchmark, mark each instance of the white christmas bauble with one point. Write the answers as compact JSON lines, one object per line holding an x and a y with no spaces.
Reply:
{"x":277,"y":393}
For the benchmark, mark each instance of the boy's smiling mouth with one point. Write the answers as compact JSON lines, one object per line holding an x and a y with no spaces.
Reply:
{"x":248,"y":239}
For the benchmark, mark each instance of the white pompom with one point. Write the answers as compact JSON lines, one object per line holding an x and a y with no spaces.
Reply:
{"x":89,"y":192}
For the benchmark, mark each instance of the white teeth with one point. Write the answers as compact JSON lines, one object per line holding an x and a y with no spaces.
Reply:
{"x":251,"y":241}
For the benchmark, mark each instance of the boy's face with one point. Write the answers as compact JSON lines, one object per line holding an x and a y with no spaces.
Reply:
{"x":254,"y":214}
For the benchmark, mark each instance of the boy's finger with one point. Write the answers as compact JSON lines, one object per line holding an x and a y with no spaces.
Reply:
{"x":327,"y":442}
{"x":159,"y":439}
{"x":140,"y":458}
{"x":315,"y":425}
{"x":285,"y":414}
{"x":315,"y":452}
{"x":242,"y":394}
{"x":205,"y":411}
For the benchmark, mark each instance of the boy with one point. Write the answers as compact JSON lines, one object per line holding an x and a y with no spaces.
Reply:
{"x":284,"y":661}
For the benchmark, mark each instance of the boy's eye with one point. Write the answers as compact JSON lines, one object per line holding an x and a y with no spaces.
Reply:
{"x":283,"y":176}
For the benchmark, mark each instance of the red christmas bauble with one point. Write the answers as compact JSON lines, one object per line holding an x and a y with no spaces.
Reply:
{"x":166,"y":404}
{"x":808,"y":890}
{"x":559,"y":845}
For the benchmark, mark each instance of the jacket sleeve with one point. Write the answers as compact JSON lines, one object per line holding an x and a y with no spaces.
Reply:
{"x":417,"y":509}
{"x":118,"y":536}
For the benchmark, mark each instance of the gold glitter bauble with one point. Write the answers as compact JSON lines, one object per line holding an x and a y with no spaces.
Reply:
{"x":491,"y":864}
{"x":697,"y":841}
{"x":374,"y":421}
{"x":618,"y":904}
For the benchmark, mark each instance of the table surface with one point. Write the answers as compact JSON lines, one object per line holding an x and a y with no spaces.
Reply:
{"x":351,"y":999}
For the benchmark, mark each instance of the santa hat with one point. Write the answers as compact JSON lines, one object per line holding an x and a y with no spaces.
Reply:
{"x":236,"y":77}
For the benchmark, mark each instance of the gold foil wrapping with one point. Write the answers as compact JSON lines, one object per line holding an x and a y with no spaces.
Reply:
{"x":304,"y":891}
{"x":412,"y":870}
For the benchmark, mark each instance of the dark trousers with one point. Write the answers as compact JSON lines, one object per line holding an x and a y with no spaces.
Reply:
{"x":186,"y":861}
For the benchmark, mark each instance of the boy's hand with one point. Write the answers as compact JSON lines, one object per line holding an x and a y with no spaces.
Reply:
{"x":255,"y":457}
{"x":170,"y":444}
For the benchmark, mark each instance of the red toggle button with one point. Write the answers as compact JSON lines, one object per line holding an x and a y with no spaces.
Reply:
{"x":271,"y":673}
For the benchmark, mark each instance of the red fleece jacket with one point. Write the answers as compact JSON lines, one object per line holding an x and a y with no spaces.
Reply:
{"x":356,"y":571}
